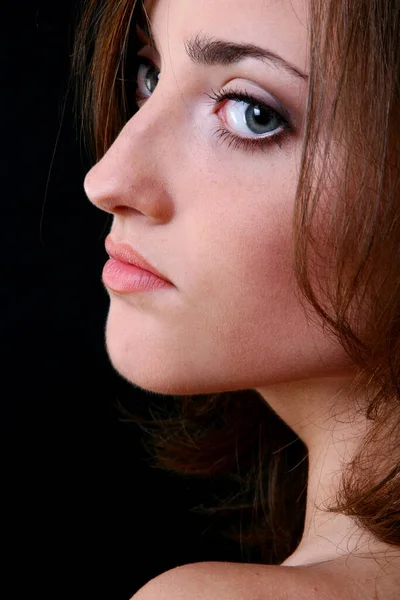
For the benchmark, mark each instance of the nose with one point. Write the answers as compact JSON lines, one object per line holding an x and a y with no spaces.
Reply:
{"x":132,"y":176}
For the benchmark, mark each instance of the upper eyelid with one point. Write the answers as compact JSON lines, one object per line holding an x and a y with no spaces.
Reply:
{"x":144,"y":38}
{"x":243,"y":96}
{"x":145,"y":42}
{"x":148,"y":51}
{"x":275,"y":105}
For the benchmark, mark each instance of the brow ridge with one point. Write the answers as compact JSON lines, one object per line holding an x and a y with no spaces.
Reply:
{"x":206,"y":51}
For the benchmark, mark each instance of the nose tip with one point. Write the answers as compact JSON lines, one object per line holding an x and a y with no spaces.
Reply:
{"x":88,"y":186}
{"x":121,"y":193}
{"x":95,"y":191}
{"x":134,"y":175}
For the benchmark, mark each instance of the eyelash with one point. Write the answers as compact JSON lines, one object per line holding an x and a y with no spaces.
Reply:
{"x":233,"y":140}
{"x":243,"y":143}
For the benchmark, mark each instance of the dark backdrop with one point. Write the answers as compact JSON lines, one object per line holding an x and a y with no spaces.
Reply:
{"x":83,"y":515}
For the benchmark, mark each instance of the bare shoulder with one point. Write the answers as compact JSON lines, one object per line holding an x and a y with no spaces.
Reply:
{"x":237,"y":581}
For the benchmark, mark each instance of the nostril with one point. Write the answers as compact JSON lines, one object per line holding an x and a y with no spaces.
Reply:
{"x":126,"y":211}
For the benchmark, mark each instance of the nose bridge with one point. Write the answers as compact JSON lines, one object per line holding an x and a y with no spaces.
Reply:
{"x":134,"y":170}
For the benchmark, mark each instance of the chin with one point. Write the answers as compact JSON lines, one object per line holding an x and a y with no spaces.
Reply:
{"x":150,"y":366}
{"x":144,"y":352}
{"x":161,"y":372}
{"x":159,"y":358}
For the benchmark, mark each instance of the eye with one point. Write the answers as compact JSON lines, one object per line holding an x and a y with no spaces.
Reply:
{"x":248,"y":122}
{"x":250,"y":119}
{"x":147,"y":79}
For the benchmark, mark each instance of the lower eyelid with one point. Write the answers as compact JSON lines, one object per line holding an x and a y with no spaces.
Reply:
{"x":250,"y":145}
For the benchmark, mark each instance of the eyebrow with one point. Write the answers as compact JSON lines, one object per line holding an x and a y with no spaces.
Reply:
{"x":206,"y":51}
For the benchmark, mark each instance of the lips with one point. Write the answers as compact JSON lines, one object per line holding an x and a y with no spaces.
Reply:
{"x":124,"y":253}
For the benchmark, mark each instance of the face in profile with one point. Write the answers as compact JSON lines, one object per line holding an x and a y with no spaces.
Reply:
{"x":202,"y":182}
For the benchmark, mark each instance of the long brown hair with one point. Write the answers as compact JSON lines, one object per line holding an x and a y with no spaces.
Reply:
{"x":353,"y":107}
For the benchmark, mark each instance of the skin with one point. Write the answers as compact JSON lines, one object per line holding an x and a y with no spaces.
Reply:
{"x":217,"y":222}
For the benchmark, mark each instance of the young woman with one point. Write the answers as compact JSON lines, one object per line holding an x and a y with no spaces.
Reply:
{"x":248,"y":152}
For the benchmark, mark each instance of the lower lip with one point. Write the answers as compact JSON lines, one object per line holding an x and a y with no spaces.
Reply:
{"x":126,"y":279}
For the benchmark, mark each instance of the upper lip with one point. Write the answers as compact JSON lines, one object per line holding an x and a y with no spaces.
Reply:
{"x":126,"y":254}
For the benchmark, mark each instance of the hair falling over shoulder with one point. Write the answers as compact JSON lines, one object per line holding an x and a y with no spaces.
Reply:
{"x":354,"y":104}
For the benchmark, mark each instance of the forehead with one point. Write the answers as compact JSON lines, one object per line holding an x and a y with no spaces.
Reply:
{"x":279,"y":25}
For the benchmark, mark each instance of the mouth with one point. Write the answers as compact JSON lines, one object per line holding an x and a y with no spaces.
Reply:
{"x":124,"y":253}
{"x":128,"y":272}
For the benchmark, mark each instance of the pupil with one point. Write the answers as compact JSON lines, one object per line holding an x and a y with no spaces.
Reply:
{"x":260,"y":120}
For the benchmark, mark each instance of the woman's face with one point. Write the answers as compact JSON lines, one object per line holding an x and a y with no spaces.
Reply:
{"x":202,"y":181}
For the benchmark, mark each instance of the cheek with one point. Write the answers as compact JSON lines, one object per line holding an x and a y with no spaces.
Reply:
{"x":239,"y":224}
{"x":240,"y":247}
{"x":235,"y":242}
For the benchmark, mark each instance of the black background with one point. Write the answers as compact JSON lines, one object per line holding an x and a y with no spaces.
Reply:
{"x":83,"y":514}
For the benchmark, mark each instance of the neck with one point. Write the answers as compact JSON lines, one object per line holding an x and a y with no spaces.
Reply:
{"x":323,"y":416}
